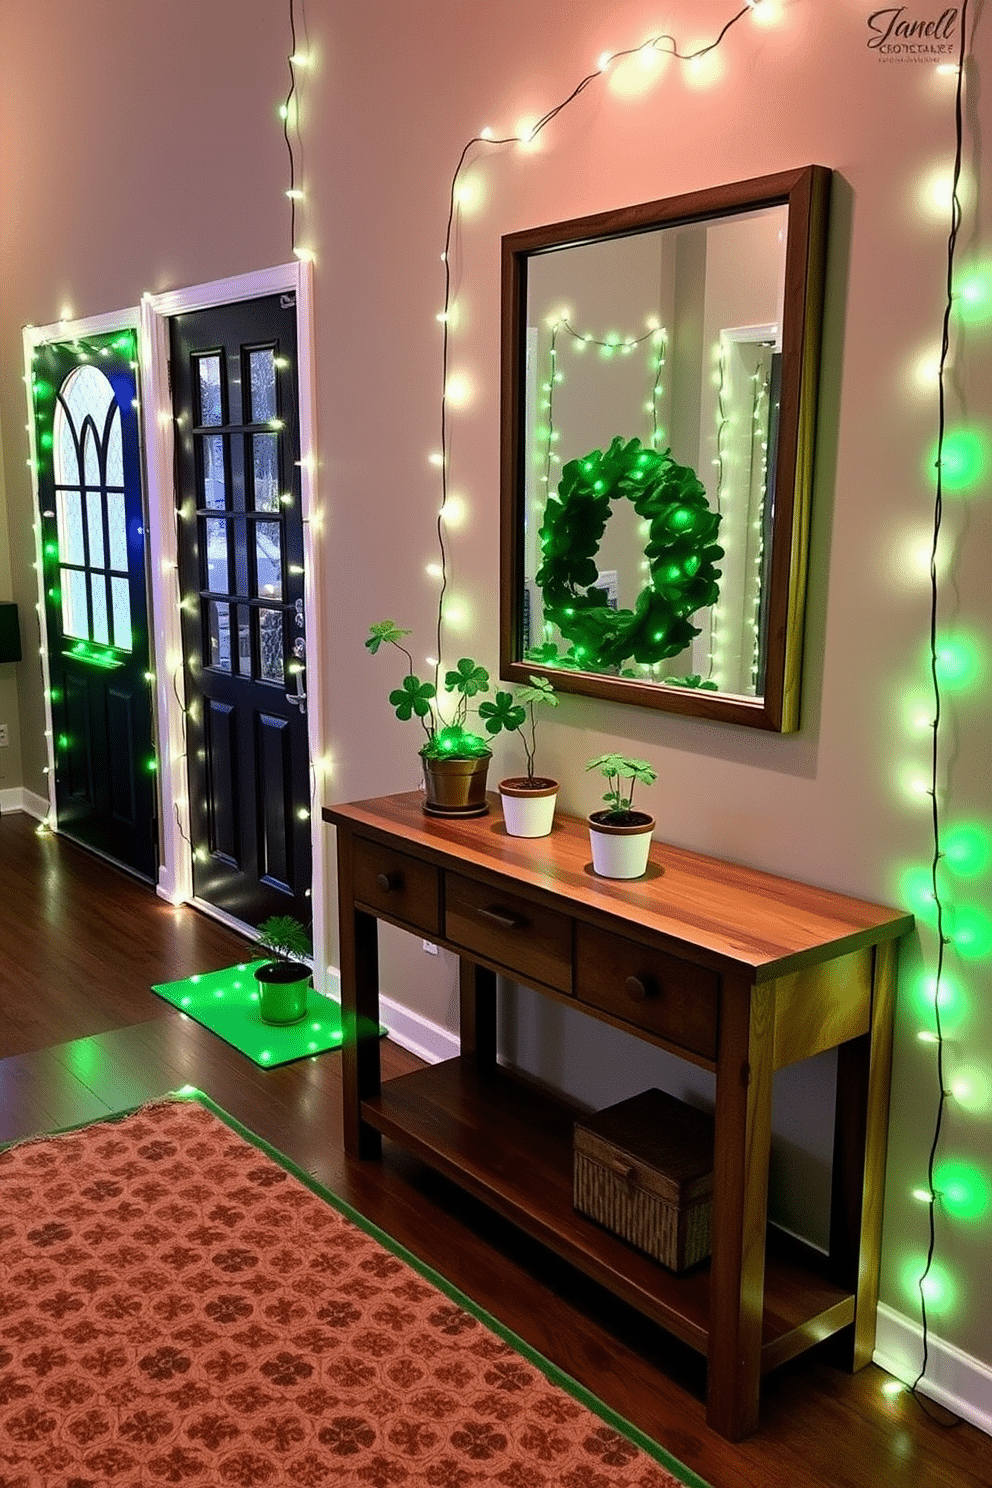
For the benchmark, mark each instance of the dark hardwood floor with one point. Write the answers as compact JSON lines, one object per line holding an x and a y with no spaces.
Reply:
{"x":81,"y":1034}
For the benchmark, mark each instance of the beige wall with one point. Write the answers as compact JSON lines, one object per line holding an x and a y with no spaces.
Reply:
{"x":143,"y":154}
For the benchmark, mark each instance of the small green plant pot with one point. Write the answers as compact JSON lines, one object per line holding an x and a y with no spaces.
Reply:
{"x":282,"y":991}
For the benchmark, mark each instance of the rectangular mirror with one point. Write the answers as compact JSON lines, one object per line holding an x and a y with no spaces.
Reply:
{"x":659,"y":386}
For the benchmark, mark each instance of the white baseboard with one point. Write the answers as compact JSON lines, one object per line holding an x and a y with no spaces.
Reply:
{"x":954,"y":1379}
{"x":19,"y":798}
{"x":412,"y":1031}
{"x":417,"y":1034}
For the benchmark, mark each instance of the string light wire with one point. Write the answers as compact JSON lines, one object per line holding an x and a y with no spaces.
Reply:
{"x":287,"y":112}
{"x":935,"y":817}
{"x":663,"y":43}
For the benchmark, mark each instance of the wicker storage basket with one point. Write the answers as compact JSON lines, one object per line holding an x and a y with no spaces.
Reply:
{"x":644,"y":1169}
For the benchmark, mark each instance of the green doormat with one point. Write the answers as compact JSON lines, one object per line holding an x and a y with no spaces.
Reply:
{"x":226,"y":1002}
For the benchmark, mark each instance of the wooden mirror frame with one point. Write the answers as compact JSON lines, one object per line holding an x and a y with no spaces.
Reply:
{"x":806,"y":193}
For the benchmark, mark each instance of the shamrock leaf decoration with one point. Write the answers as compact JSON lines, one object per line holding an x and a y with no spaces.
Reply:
{"x":467,"y":678}
{"x":503,"y":713}
{"x":413,"y":697}
{"x":384,"y":633}
{"x":616,"y":768}
{"x":539,"y":691}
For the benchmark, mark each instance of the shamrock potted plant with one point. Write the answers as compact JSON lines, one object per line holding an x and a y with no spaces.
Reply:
{"x":455,"y":759}
{"x":620,"y":837}
{"x":283,"y":983}
{"x":528,"y":800}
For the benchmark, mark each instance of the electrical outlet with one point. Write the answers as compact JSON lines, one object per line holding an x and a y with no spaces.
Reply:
{"x":4,"y":736}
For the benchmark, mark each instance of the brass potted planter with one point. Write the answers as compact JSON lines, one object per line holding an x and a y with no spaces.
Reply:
{"x":455,"y":759}
{"x":456,"y":786}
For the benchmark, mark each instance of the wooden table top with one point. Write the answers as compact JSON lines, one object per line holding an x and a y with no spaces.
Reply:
{"x":714,"y":912}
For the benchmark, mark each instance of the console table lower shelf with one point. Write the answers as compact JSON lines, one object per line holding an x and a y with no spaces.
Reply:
{"x":510,"y":1144}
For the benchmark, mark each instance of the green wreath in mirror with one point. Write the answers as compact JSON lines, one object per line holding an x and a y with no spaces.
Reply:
{"x":680,"y":550}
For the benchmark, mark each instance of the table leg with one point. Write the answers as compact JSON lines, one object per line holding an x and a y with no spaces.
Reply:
{"x":359,"y":957}
{"x":477,"y":1013}
{"x":740,"y":1203}
{"x":864,"y":1069}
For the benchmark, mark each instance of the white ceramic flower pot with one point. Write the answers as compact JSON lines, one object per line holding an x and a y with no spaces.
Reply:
{"x":620,"y":851}
{"x":528,"y":807}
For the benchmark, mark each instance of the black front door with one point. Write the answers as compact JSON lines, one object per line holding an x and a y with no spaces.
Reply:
{"x":93,"y":556}
{"x":235,"y":399}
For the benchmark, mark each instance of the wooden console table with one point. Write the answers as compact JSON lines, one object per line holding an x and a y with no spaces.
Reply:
{"x":737,"y":971}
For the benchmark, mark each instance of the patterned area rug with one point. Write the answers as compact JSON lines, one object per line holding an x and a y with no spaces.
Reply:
{"x":177,"y":1306}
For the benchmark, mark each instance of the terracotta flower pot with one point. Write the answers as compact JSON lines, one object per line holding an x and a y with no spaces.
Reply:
{"x":456,"y":787}
{"x":620,"y":850}
{"x":528,"y":804}
{"x":282,"y":991}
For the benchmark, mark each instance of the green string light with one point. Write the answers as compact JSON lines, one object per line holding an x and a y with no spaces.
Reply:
{"x":964,"y":459}
{"x":964,"y":1190}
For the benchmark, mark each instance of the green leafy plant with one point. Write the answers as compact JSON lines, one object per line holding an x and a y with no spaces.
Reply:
{"x":285,"y":937}
{"x":444,"y":726}
{"x":515,"y":713}
{"x":616,"y":768}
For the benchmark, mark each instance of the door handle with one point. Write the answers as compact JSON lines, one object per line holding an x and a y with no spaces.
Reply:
{"x":299,"y":697}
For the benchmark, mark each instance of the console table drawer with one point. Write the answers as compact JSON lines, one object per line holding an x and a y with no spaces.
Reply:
{"x":531,"y":942}
{"x":659,"y":994}
{"x":397,"y":886}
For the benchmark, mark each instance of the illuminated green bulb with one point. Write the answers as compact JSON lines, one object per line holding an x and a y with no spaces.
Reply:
{"x":973,"y":294}
{"x":967,"y":849}
{"x":965,"y":1191}
{"x":958,"y":663}
{"x":972,"y":935}
{"x":916,"y":892}
{"x":964,"y":459}
{"x":951,"y":1000}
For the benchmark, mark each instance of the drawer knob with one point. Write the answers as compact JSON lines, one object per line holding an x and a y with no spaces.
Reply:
{"x":638,"y":989}
{"x":504,"y":918}
{"x":388,"y":881}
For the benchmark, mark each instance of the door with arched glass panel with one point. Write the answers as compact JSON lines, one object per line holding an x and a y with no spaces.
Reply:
{"x":93,"y":554}
{"x":235,"y":400}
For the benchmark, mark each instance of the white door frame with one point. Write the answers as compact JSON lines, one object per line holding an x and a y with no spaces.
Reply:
{"x":175,"y":855}
{"x":31,"y":338}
